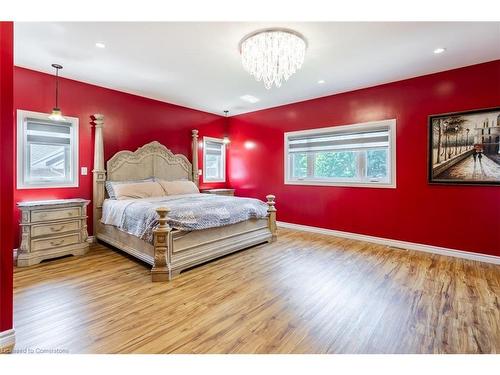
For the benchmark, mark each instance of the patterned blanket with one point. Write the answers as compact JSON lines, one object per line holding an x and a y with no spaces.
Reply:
{"x":187,"y":212}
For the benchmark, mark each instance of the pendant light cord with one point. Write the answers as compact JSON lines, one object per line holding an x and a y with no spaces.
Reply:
{"x":57,"y":67}
{"x":57,"y":87}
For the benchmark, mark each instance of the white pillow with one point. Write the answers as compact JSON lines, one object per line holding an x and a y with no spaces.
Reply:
{"x":138,"y":190}
{"x":179,"y":187}
{"x":111,"y":184}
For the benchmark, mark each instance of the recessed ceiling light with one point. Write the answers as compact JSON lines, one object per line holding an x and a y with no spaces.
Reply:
{"x":249,"y":98}
{"x":321,"y":81}
{"x":100,"y":45}
{"x":439,"y":50}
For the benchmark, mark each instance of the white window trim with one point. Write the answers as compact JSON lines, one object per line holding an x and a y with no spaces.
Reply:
{"x":218,"y":140}
{"x":391,"y":124}
{"x":21,"y":144}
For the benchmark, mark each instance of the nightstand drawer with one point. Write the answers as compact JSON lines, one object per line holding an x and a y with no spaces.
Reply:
{"x":222,"y":191}
{"x":51,"y":229}
{"x":53,"y":242}
{"x":66,"y":213}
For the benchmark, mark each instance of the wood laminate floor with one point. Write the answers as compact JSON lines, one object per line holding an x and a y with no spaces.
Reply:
{"x":306,"y":293}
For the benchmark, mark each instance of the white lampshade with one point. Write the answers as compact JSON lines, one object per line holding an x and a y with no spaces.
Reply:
{"x":56,"y":115}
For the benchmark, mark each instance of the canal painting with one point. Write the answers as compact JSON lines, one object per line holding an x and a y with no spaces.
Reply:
{"x":464,"y":147}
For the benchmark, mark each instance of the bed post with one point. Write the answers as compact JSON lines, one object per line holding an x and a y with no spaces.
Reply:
{"x":194,"y":146}
{"x":162,"y":241}
{"x":99,"y":173}
{"x":271,"y":210}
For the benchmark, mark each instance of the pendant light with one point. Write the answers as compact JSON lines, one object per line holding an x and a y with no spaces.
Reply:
{"x":226,"y":138}
{"x":56,"y":111}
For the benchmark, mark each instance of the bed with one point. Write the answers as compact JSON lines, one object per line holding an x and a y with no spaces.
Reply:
{"x":169,"y":249}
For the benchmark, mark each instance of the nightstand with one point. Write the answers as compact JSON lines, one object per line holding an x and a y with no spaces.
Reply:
{"x":218,"y":191}
{"x":50,"y":229}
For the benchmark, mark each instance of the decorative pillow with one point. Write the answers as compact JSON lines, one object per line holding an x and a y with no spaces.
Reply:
{"x":111,"y":184}
{"x":179,"y":187}
{"x":138,"y":190}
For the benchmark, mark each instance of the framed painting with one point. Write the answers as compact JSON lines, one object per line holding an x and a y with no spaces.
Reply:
{"x":464,"y":147}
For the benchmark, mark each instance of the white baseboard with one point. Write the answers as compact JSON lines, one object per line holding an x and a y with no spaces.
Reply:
{"x":7,"y":339}
{"x":395,"y":243}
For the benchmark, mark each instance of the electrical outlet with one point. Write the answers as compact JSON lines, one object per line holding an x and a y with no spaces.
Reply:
{"x":83,"y":171}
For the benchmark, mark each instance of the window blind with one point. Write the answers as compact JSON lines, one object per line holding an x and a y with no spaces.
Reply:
{"x":46,"y":133}
{"x":339,"y":140}
{"x":213,"y":148}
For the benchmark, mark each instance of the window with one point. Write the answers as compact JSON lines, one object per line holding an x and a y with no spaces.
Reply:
{"x":214,"y":160}
{"x":47,"y":151}
{"x":350,"y":155}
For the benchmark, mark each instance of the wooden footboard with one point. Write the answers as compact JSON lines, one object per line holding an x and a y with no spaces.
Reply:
{"x":172,"y":254}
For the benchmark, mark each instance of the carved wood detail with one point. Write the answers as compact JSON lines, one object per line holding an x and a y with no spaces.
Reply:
{"x":194,"y":150}
{"x":99,"y":173}
{"x":271,"y":210}
{"x":152,"y":158}
{"x":162,"y":242}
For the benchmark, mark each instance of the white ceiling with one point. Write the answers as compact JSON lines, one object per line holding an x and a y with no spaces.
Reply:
{"x":197,"y":64}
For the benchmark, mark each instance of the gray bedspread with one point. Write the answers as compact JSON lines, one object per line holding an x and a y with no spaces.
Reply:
{"x":187,"y":212}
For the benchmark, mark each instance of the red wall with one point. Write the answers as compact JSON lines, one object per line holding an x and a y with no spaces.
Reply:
{"x":457,"y":217}
{"x":6,"y":173}
{"x":130,"y":121}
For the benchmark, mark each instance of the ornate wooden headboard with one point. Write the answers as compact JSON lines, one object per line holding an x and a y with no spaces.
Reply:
{"x":150,"y":160}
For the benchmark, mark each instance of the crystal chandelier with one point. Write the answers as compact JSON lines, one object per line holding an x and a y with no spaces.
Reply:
{"x":273,"y":55}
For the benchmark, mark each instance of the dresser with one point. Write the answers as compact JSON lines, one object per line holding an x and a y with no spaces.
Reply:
{"x":52,"y":228}
{"x":218,"y":191}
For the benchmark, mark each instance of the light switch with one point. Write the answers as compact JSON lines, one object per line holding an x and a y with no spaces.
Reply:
{"x":200,"y":172}
{"x":83,"y":171}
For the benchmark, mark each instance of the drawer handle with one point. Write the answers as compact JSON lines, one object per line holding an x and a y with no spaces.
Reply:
{"x":56,"y":243}
{"x":43,"y":215}
{"x":70,"y":213}
{"x":54,"y":229}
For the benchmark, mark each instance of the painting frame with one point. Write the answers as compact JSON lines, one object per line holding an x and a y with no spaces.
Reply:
{"x":432,"y":178}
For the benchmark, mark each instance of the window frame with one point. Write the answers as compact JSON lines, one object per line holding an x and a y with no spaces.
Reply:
{"x":223,"y":148}
{"x":21,"y":142}
{"x":372,"y":125}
